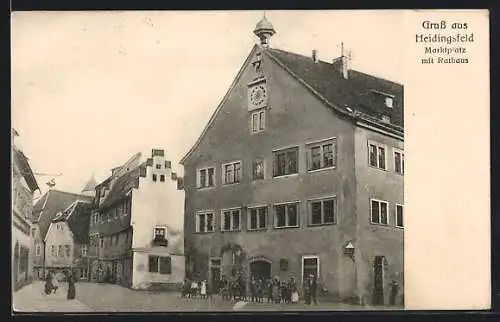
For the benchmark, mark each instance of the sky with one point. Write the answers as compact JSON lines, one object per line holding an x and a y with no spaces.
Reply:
{"x":90,"y":89}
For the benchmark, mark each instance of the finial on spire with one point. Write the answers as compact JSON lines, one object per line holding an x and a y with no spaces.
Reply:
{"x":264,"y":30}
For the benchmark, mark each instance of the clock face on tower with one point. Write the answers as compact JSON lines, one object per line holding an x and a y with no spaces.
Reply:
{"x":257,"y":96}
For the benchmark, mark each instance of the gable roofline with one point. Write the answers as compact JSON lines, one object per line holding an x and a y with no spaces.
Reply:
{"x":68,"y":211}
{"x":309,"y":87}
{"x":55,"y":223}
{"x":221,"y":104}
{"x":353,"y":115}
{"x":25,"y":169}
{"x":46,"y":196}
{"x":47,"y":233}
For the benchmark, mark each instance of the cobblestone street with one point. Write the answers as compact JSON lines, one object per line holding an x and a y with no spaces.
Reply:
{"x":113,"y":298}
{"x":31,"y":298}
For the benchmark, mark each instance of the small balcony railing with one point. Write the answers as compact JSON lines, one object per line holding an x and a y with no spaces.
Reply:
{"x":160,"y":241}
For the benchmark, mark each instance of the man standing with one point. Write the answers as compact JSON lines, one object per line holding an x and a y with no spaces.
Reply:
{"x":307,"y":289}
{"x":314,"y":288}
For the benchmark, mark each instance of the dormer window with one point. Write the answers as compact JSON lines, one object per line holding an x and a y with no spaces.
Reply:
{"x":389,"y":101}
{"x":389,"y":98}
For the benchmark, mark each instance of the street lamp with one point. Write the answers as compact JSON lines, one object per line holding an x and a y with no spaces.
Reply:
{"x":349,"y":250}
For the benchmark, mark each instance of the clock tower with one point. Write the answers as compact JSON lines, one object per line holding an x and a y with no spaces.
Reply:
{"x":257,"y":88}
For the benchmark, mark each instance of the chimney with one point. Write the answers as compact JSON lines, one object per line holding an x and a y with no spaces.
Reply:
{"x":344,"y":61}
{"x":315,"y":55}
{"x":345,"y":67}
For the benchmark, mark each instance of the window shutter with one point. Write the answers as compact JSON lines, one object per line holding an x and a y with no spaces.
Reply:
{"x":309,"y":159}
{"x":275,"y":165}
{"x":165,"y":265}
{"x":262,"y":120}
{"x":334,"y":152}
{"x":198,"y":179}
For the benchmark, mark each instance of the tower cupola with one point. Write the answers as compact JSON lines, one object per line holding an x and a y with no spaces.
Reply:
{"x":264,"y":30}
{"x":89,"y":189}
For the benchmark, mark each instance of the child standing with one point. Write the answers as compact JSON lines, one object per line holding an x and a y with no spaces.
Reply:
{"x":203,"y":289}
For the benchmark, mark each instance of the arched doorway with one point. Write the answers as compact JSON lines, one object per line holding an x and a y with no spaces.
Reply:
{"x":260,"y":268}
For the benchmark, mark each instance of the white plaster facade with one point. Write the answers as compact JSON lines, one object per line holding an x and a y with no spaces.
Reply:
{"x":157,"y":204}
{"x":59,"y":246}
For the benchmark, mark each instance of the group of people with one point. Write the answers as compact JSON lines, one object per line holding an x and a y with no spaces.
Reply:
{"x":275,"y":290}
{"x":193,"y":289}
{"x":52,"y":284}
{"x":259,"y":290}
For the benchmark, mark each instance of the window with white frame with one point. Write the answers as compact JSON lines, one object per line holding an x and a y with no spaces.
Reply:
{"x":323,"y":211}
{"x":206,"y":177}
{"x":231,"y":220}
{"x":310,"y":266}
{"x":322,"y":155}
{"x":231,"y":172}
{"x":286,"y":162}
{"x":258,"y":120}
{"x":379,"y":210}
{"x":53,"y":251}
{"x":286,"y":215}
{"x":377,"y":155}
{"x":85,"y":250}
{"x":399,"y":216}
{"x":67,"y":250}
{"x":257,"y":218}
{"x":205,"y":222}
{"x":38,"y":250}
{"x":399,"y":162}
{"x":160,"y":233}
{"x":60,"y":251}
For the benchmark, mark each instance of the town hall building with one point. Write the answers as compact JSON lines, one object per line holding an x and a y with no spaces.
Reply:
{"x":300,"y":171}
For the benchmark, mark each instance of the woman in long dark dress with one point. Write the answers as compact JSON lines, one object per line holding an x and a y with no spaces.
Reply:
{"x":48,"y":284}
{"x":71,"y":287}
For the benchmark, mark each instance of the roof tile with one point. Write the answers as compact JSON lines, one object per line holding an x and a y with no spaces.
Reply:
{"x":359,"y":91}
{"x":53,"y":202}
